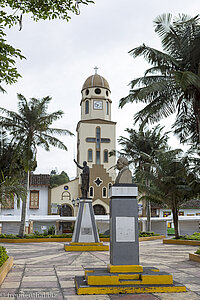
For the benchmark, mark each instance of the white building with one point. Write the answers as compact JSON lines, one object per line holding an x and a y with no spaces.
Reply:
{"x":38,"y":204}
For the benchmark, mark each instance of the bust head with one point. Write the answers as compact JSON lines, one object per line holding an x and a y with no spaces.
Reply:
{"x":122,"y":162}
{"x":85,"y":163}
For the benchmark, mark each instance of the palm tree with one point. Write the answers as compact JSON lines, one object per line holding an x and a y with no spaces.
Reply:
{"x":172,"y":84}
{"x":30,"y":128}
{"x":11,"y":171}
{"x":137,"y":146}
{"x":171,"y":181}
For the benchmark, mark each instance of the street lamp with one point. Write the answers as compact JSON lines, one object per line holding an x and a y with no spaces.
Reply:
{"x":75,"y":202}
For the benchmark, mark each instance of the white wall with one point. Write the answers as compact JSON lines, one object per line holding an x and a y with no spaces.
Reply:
{"x":43,"y":204}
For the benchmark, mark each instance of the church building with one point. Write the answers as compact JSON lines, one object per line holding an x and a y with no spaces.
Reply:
{"x":96,"y":137}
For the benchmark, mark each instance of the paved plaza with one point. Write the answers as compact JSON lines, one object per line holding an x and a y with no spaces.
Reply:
{"x":46,"y":271}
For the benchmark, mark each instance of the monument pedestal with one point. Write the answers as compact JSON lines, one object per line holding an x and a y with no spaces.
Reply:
{"x":85,"y":236}
{"x":124,"y":274}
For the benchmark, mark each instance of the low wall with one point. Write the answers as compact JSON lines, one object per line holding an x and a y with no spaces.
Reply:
{"x":5,"y":268}
{"x":181,"y":242}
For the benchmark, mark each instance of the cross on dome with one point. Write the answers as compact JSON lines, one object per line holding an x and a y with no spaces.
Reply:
{"x":96,"y":68}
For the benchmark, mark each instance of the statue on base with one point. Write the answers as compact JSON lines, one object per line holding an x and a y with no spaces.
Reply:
{"x":124,"y":175}
{"x":85,"y":178}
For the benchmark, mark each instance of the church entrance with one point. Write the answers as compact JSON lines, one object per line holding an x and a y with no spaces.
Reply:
{"x":65,"y":211}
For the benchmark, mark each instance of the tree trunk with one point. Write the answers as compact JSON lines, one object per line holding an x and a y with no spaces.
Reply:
{"x":175,"y":220}
{"x":23,"y":212}
{"x":148,"y":209}
{"x":148,"y":212}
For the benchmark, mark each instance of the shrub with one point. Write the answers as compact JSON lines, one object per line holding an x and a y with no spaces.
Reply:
{"x":3,"y":255}
{"x":146,"y":234}
{"x":51,"y":230}
{"x":195,"y":237}
{"x":198,"y":251}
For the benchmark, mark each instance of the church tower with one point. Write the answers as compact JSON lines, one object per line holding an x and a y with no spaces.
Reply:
{"x":96,"y":138}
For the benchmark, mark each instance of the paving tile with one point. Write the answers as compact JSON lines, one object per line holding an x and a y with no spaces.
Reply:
{"x":7,"y":293}
{"x":10,"y":284}
{"x":69,"y":291}
{"x":67,"y":284}
{"x":87,"y":297}
{"x":39,"y":273}
{"x":192,"y":286}
{"x":133,"y":297}
{"x":39,"y":278}
{"x":66,"y":278}
{"x":177,"y":296}
{"x":74,"y":273}
{"x":39,"y":284}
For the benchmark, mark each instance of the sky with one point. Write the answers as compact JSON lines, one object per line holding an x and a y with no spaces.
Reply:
{"x":61,"y":55}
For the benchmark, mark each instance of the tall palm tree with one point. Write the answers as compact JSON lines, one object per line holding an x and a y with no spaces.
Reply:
{"x":171,"y":181}
{"x":137,"y":146}
{"x":172,"y":84}
{"x":30,"y":128}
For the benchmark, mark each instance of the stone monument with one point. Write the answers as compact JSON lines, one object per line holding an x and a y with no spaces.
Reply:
{"x":85,"y":236}
{"x":124,"y":274}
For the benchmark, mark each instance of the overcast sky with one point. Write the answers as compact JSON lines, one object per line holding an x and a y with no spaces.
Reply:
{"x":61,"y":55}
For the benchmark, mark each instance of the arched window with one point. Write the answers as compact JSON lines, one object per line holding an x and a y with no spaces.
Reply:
{"x":90,"y":158}
{"x":105,"y":156}
{"x":99,"y":209}
{"x":91,"y":191}
{"x":107,"y":107}
{"x":86,"y":107}
{"x":104,"y":192}
{"x":109,"y":185}
{"x":66,"y":196}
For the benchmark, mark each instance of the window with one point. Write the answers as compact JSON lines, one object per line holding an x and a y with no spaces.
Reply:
{"x":181,"y":213}
{"x":107,"y":107}
{"x":91,"y":191}
{"x":105,"y":140}
{"x":105,"y":156}
{"x":98,"y":137}
{"x":97,"y":91}
{"x":66,"y":196}
{"x":86,"y":107}
{"x":98,"y":157}
{"x":99,"y":209}
{"x":34,"y":199}
{"x":104,"y":192}
{"x":8,"y":203}
{"x":166,"y":213}
{"x":90,"y":155}
{"x":87,"y":92}
{"x":109,"y":185}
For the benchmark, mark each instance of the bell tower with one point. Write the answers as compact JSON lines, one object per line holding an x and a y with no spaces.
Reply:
{"x":96,"y":136}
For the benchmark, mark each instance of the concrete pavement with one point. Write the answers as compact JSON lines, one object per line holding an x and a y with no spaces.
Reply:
{"x":46,"y":271}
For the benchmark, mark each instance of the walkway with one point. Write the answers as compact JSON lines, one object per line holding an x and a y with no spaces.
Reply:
{"x":45,"y":270}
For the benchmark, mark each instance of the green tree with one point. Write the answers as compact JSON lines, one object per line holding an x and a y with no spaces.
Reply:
{"x":11,"y":172}
{"x":58,"y":179}
{"x":171,"y":182}
{"x":139,"y":144}
{"x":172,"y":83}
{"x":11,"y":13}
{"x":30,"y":128}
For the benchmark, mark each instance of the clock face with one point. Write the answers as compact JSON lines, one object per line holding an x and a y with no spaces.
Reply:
{"x":98,"y":104}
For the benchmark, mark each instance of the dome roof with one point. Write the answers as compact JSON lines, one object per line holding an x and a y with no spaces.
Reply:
{"x":96,"y":80}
